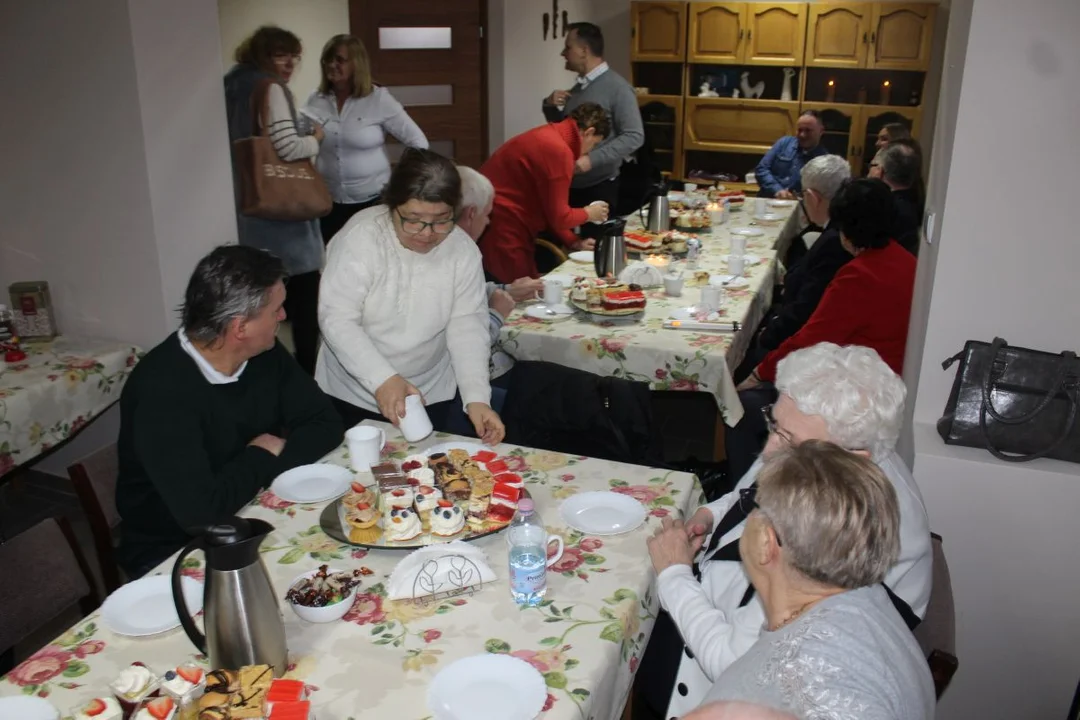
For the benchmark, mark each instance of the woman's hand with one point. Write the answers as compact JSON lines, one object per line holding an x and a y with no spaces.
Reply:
{"x":502,"y":303}
{"x":669,"y":546}
{"x":317,"y":131}
{"x":489,"y":427}
{"x":525,"y":288}
{"x":597,"y":211}
{"x":390,"y":397}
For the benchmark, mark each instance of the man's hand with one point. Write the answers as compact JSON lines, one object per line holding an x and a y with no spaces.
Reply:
{"x":502,"y":303}
{"x":700,"y":524}
{"x":586,"y":244}
{"x":270,"y":443}
{"x":390,"y":397}
{"x":486,"y":422}
{"x":597,"y":211}
{"x":583,"y":164}
{"x":785,"y":195}
{"x":317,"y":131}
{"x":558,"y":97}
{"x":525,"y":288}
{"x":670,"y":546}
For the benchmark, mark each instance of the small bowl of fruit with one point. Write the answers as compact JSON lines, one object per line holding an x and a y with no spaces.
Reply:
{"x":323,"y":595}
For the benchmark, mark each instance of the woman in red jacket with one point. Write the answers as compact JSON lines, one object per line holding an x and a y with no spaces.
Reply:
{"x":531,"y":174}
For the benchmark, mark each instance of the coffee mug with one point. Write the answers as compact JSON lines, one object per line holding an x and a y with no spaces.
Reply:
{"x":673,"y":285}
{"x":711,"y":297}
{"x":365,"y":445}
{"x":558,"y":553}
{"x":738,"y":244}
{"x":689,"y":187}
{"x":553,"y":293}
{"x":759,"y":207}
{"x":736,"y":264}
{"x":416,"y":425}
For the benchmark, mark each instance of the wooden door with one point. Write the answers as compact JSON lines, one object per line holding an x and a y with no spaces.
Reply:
{"x":838,"y":35}
{"x":843,"y":129}
{"x":664,"y":130}
{"x":431,"y":55}
{"x":775,"y":34}
{"x":658,"y":31}
{"x":870,"y":123}
{"x":901,"y":36}
{"x":737,"y":125}
{"x":717,"y":31}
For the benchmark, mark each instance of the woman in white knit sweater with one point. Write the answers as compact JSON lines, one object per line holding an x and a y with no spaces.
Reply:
{"x":402,"y":306}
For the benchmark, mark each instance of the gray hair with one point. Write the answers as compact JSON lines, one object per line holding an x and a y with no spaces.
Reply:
{"x":860,"y":398}
{"x":476,"y":190}
{"x":825,"y":175}
{"x":232,"y":281}
{"x":835,"y":512}
{"x":900,"y":164}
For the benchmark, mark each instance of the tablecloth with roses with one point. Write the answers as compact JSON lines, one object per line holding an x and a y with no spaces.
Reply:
{"x":586,"y":638}
{"x":644,"y":350}
{"x":60,"y":386}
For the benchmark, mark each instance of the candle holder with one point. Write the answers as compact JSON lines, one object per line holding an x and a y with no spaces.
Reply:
{"x":716,"y":213}
{"x":886,"y":93}
{"x":861,"y":97}
{"x":830,"y":91}
{"x":660,"y":262}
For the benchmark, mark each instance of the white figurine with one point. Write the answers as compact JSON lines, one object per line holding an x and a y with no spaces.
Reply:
{"x":735,"y":93}
{"x":706,"y":91}
{"x":755,"y":91}
{"x":785,"y":94}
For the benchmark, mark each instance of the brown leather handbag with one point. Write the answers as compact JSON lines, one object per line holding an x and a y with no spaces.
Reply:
{"x":1017,"y":403}
{"x":270,"y":187}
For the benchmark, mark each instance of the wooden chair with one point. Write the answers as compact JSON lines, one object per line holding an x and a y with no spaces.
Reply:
{"x":936,"y":634}
{"x":44,"y":574}
{"x":559,"y":253}
{"x":94,"y":478}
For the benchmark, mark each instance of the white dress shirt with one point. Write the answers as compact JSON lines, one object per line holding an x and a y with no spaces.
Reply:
{"x":352,"y":158}
{"x":584,"y":80}
{"x":212,"y":374}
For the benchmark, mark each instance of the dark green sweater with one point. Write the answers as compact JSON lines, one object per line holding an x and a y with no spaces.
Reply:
{"x":184,"y":456}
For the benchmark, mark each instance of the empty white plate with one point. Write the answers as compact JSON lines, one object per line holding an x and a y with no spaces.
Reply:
{"x":728,"y":281}
{"x":471,"y":448}
{"x":145,"y":606}
{"x":781,"y":203}
{"x":747,"y":231}
{"x":540,"y":312}
{"x":582,"y":256}
{"x":602,"y":513}
{"x":487,"y":687}
{"x":27,"y":707}
{"x":312,"y":483}
{"x":748,"y":259}
{"x":767,"y":217}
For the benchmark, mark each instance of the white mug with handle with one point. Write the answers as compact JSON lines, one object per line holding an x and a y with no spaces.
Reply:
{"x":365,"y":444}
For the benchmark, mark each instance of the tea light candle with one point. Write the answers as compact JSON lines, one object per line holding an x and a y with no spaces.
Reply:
{"x":886,"y":92}
{"x":716,"y":213}
{"x":660,"y":262}
{"x":830,"y":91}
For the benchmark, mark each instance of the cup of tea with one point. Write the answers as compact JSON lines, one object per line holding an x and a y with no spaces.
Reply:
{"x":736,"y":264}
{"x":711,"y":298}
{"x":760,"y":207}
{"x":673,"y":285}
{"x":738,"y":244}
{"x":416,"y":425}
{"x":553,"y":293}
{"x":365,"y":445}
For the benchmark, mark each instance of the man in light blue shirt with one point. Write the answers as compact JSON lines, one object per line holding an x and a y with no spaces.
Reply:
{"x":778,"y":173}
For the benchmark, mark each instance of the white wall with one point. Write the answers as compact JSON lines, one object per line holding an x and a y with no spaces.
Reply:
{"x":313,"y":21}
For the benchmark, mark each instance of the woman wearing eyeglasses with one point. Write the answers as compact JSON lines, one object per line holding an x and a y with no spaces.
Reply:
{"x":403,"y":308}
{"x":356,"y":115}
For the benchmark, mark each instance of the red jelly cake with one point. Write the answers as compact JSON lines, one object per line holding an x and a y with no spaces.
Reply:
{"x":624,"y":300}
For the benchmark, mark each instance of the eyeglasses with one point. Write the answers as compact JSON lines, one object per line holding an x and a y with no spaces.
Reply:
{"x":770,"y":423}
{"x":415,"y":227}
{"x":748,"y":504}
{"x":282,"y":56}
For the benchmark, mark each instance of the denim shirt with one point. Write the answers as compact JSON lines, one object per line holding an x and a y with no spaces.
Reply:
{"x":782,"y":166}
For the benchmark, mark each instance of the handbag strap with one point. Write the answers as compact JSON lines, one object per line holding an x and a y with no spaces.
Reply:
{"x":1070,"y":421}
{"x":1067,"y":358}
{"x":260,"y":108}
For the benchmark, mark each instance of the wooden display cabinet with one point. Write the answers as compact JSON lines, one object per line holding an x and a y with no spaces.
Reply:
{"x":884,"y":36}
{"x":664,"y":131}
{"x":747,"y":33}
{"x":851,"y":130}
{"x":737,"y":125}
{"x":658,"y":31}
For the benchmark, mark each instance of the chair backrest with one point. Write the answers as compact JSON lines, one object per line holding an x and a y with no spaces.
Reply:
{"x":52,"y":576}
{"x":936,"y":634}
{"x":94,"y":478}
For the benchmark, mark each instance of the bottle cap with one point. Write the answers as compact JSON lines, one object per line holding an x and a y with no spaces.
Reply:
{"x":526,"y":505}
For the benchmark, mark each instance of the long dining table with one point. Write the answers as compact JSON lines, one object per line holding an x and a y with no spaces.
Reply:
{"x":586,"y":637}
{"x":667,"y":359}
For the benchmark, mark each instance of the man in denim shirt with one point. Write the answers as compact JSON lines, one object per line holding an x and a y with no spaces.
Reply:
{"x":779,"y":171}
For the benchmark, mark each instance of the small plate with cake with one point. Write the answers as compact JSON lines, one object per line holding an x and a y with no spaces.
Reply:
{"x":606,"y":299}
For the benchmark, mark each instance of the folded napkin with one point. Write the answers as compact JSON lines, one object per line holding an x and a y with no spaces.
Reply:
{"x":643,"y":274}
{"x":446,"y":567}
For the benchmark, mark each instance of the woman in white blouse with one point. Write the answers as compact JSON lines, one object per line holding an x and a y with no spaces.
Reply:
{"x":403,"y":308}
{"x":355,"y":115}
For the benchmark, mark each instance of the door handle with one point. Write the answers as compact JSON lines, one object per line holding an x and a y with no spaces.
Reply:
{"x":873,"y":38}
{"x":741,"y":34}
{"x":749,"y":34}
{"x":865,"y":39}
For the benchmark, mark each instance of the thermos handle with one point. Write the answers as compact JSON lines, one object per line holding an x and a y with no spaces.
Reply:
{"x":182,"y":611}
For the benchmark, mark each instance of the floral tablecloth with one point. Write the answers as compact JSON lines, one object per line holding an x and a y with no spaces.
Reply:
{"x":586,"y":637}
{"x":667,"y":359}
{"x":60,"y":386}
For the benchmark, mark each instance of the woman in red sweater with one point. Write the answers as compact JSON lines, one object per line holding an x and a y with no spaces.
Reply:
{"x":531,"y":174}
{"x":868,"y":301}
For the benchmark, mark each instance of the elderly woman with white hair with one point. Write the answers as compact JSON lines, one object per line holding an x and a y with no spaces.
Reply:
{"x":822,"y":533}
{"x":711,"y":614}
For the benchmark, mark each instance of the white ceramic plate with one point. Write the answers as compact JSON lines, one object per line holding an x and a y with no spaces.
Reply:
{"x":748,"y":259}
{"x":312,"y":483}
{"x":747,"y":231}
{"x":582,"y":256}
{"x":735,"y":284}
{"x":539,"y":312}
{"x":602,"y":513}
{"x":687,"y":315}
{"x":781,"y":203}
{"x":145,"y":606}
{"x":471,"y":448}
{"x":768,"y":217}
{"x":27,"y":707}
{"x":487,"y":687}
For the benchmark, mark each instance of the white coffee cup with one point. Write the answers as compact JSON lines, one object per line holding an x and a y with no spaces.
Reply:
{"x":759,"y":207}
{"x":673,"y":285}
{"x":738,"y":244}
{"x":416,"y":425}
{"x":553,"y":293}
{"x":365,"y":444}
{"x":689,"y":187}
{"x":736,"y":264}
{"x":711,"y":298}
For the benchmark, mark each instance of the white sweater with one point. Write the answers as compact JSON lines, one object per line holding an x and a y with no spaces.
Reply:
{"x":288,"y":143}
{"x":386,"y":310}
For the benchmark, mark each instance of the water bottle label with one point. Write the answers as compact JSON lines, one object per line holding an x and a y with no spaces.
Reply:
{"x":526,"y":581}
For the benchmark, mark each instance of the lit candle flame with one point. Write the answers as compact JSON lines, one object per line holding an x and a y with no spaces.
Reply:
{"x":832,"y":82}
{"x":886,"y":83}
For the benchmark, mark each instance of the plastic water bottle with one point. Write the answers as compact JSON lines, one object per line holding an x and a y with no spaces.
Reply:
{"x":528,"y":555}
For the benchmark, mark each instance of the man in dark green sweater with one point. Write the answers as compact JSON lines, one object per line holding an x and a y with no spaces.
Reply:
{"x":216,"y":411}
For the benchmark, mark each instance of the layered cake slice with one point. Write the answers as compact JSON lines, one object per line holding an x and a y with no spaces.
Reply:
{"x":504,"y":502}
{"x":624,"y":300}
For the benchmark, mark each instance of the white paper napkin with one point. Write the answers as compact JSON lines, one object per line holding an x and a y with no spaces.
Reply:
{"x":643,"y":274}
{"x":434,"y":569}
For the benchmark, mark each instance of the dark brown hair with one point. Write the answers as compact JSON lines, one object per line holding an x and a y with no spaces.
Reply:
{"x":423,"y":175}
{"x":264,"y":43}
{"x":358,"y":57}
{"x":896,"y":131}
{"x":590,"y":115}
{"x":865,"y":212}
{"x":589,"y":35}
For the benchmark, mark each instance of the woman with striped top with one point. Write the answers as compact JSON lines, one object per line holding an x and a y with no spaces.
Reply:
{"x":273,"y":54}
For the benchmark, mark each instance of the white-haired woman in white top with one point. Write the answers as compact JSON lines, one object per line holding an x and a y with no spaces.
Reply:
{"x":846,"y":395}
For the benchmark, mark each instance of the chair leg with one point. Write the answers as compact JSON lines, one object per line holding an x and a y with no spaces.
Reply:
{"x":7,"y":661}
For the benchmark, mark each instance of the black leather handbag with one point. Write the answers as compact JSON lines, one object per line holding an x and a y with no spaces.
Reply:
{"x":1017,"y":403}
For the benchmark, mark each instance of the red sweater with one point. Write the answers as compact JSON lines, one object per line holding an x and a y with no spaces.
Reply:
{"x":531,"y":174}
{"x":867,"y":303}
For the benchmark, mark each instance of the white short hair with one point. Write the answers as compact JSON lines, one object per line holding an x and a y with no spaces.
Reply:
{"x":476,"y":190}
{"x":825,"y":175}
{"x":860,"y":398}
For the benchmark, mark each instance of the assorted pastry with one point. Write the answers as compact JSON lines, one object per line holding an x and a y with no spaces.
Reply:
{"x":672,"y":241}
{"x":694,"y":219}
{"x":252,"y":693}
{"x":431,"y":498}
{"x":323,"y":588}
{"x":607,"y":296}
